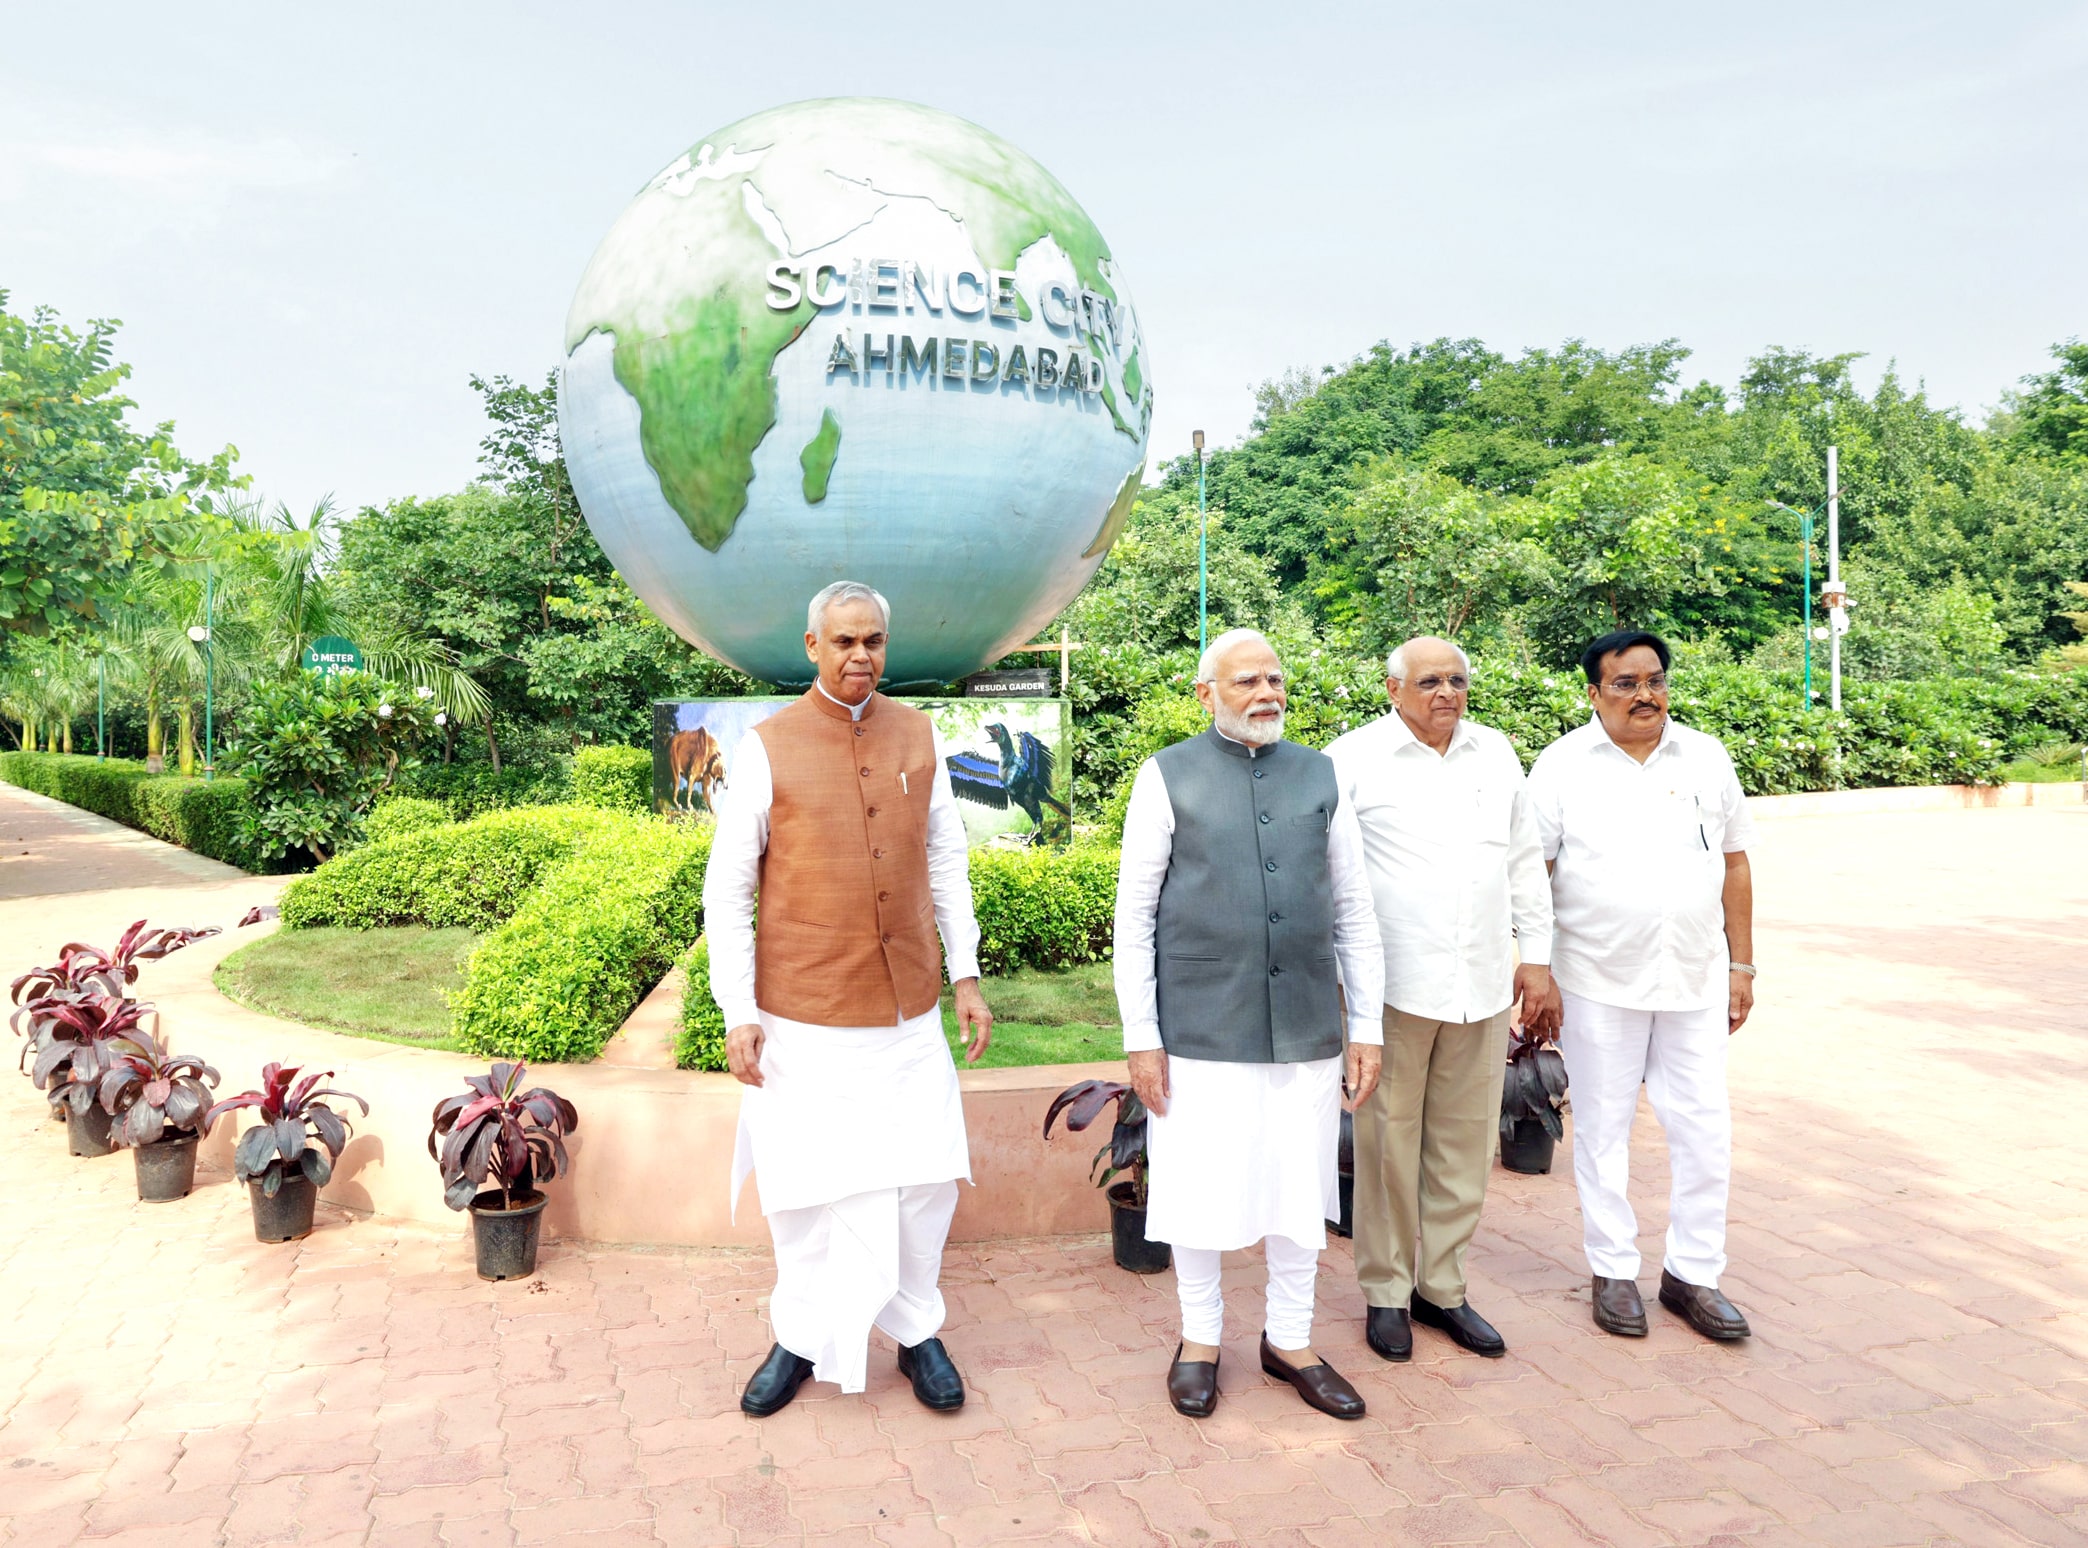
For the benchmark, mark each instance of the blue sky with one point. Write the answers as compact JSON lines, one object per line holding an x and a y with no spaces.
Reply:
{"x":317,"y":222}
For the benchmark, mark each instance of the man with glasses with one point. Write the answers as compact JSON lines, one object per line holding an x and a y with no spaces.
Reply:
{"x":1457,"y":875}
{"x":1646,"y":831}
{"x":1241,"y":886}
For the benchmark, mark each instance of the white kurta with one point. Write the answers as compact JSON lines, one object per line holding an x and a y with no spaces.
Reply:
{"x":856,"y":1135}
{"x":1244,"y":1150}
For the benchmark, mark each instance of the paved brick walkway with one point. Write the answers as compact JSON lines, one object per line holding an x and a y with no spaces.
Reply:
{"x":1909,"y":1235}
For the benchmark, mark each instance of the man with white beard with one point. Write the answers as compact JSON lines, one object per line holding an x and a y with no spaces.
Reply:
{"x":1242,"y":884}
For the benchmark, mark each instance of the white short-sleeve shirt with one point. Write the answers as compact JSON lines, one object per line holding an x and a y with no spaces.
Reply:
{"x":1638,"y":865}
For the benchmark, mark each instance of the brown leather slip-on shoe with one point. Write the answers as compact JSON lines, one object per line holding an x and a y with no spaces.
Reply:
{"x":1618,"y":1308}
{"x":1192,"y":1386}
{"x":1710,"y":1313}
{"x":1321,"y":1386}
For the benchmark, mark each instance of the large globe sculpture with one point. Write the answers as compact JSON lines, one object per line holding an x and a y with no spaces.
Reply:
{"x":855,"y":339}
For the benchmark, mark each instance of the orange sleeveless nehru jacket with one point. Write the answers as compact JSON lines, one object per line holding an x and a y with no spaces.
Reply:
{"x":846,"y":934}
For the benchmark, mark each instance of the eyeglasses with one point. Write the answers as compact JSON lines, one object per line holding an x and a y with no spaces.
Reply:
{"x":1456,"y":682}
{"x":1253,"y":680}
{"x":1627,"y":687}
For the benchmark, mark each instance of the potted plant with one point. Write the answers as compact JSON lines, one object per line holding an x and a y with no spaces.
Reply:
{"x":1531,"y":1096}
{"x":1123,"y":1157}
{"x":73,"y":1042}
{"x":280,"y":1159}
{"x":156,"y":1103}
{"x":83,"y":973}
{"x":498,"y":1133}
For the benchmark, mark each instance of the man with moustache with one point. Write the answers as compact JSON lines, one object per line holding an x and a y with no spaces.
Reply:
{"x":1457,"y":876}
{"x":841,"y":815}
{"x":1241,"y":886}
{"x":1646,"y":831}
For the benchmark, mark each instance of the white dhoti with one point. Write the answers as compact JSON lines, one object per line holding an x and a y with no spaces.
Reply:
{"x":856,"y":1141}
{"x":1246,"y":1153}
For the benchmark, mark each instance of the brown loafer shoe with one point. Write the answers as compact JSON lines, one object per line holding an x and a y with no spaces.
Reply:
{"x":1710,"y":1313}
{"x":1618,"y":1308}
{"x":1321,"y":1386}
{"x":1192,"y":1386}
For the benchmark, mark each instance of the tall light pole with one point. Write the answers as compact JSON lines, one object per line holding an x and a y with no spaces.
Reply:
{"x":101,"y":706}
{"x":1203,"y":557}
{"x":1834,"y":592}
{"x":200,"y":633}
{"x":1805,"y":534}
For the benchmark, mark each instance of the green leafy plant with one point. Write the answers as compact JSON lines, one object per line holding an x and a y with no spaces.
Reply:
{"x":316,"y":752}
{"x":472,"y":875}
{"x":208,"y":817}
{"x":558,"y":979}
{"x":619,"y":779}
{"x":699,"y":1039}
{"x":397,"y":814}
{"x":297,"y":1132}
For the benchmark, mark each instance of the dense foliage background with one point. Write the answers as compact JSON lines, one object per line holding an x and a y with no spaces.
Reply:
{"x":1519,"y":503}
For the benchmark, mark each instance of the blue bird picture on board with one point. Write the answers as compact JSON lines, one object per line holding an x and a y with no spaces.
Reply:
{"x":1017,"y":774}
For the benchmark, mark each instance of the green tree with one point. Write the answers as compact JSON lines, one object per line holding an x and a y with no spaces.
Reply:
{"x":83,"y":496}
{"x":2050,"y":416}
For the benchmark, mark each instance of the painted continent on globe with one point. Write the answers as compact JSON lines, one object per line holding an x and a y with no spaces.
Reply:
{"x":855,"y":339}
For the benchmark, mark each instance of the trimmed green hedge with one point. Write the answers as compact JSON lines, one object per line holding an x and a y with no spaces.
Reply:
{"x":618,"y":779}
{"x":1047,"y":908}
{"x":395,"y":815}
{"x":205,"y":816}
{"x":474,"y":874}
{"x":558,"y":979}
{"x":469,"y":790}
{"x":700,"y":1042}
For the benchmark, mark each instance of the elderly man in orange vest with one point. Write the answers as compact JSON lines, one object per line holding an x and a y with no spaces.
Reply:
{"x":840,"y":815}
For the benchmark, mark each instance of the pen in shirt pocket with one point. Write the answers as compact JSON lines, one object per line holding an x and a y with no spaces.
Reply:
{"x":1698,"y":802}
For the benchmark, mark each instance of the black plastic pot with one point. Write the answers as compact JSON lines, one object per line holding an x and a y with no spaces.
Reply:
{"x":288,"y":1215}
{"x":166,"y":1169}
{"x":507,"y":1238}
{"x":1127,"y":1235}
{"x":1346,"y":1160}
{"x":1529,"y":1150}
{"x":87,"y":1134}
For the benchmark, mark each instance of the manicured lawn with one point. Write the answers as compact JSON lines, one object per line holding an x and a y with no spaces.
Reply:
{"x":1067,"y":1017}
{"x":386,"y":984}
{"x":2055,"y":765}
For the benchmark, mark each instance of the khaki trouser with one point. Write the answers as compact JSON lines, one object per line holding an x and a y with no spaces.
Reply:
{"x":1424,"y":1147}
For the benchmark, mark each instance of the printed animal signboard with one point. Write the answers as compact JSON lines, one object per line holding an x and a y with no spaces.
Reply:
{"x":1009,"y":760}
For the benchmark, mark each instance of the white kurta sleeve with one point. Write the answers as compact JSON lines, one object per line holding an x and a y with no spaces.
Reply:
{"x":1541,"y":790}
{"x":1739,"y":823}
{"x":949,"y":875}
{"x":1359,"y":950}
{"x":1141,"y":868}
{"x":1529,"y":887}
{"x":732,"y":877}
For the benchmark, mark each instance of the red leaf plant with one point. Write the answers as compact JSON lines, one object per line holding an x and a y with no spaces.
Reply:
{"x":153,"y":1094}
{"x":499,"y":1134}
{"x":293,"y":1118}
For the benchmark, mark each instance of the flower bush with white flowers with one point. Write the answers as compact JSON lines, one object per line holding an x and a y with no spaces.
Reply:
{"x":315,"y":752}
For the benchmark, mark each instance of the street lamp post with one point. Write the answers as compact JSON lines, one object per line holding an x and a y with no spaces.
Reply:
{"x":1203,"y":578}
{"x":1805,"y":534}
{"x":200,"y":633}
{"x":101,"y":706}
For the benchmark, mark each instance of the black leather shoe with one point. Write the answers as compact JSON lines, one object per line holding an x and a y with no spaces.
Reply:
{"x":1464,"y":1326}
{"x":1389,"y":1332}
{"x":776,"y":1383}
{"x":1320,"y":1385}
{"x":1192,"y":1386}
{"x":935,"y":1380}
{"x":1618,"y":1308}
{"x":1710,"y":1313}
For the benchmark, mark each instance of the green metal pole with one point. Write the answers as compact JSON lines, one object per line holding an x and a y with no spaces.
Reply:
{"x":209,"y":665}
{"x":1806,"y":541}
{"x":101,"y":709}
{"x":1203,"y":562}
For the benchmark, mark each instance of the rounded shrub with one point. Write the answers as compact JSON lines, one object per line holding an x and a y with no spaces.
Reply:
{"x":395,"y":815}
{"x":618,"y":779}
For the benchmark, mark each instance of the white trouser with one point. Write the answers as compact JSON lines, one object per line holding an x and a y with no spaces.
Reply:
{"x":870,"y":1259}
{"x":1681,"y":1058}
{"x":1293,"y":1272}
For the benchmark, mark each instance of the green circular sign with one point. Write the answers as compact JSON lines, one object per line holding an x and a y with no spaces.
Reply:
{"x":332,"y":656}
